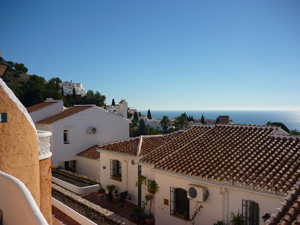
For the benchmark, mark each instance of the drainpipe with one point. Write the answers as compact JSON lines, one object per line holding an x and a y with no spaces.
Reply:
{"x":226,"y":194}
{"x":221,"y":191}
{"x":126,"y":162}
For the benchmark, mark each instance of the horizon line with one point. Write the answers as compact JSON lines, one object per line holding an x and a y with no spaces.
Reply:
{"x":231,"y":109}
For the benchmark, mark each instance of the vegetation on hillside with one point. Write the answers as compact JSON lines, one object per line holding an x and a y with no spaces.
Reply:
{"x":34,"y":89}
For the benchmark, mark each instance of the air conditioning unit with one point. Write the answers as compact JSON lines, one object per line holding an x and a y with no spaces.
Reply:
{"x":198,"y":193}
{"x":92,"y":130}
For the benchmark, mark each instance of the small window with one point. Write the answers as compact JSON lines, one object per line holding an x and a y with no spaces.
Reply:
{"x":179,"y":204}
{"x":66,"y":137}
{"x":251,"y":212}
{"x":115,"y":170}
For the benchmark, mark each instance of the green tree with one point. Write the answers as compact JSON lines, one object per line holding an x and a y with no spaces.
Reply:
{"x":12,"y":64}
{"x":74,"y":94}
{"x":217,"y":120}
{"x":135,"y":116}
{"x":202,"y":119}
{"x":99,"y":99}
{"x":129,"y":115}
{"x":278,"y":124}
{"x":62,"y":90}
{"x":181,"y":122}
{"x":294,"y":132}
{"x":149,"y":114}
{"x":142,"y":128}
{"x":33,"y":91}
{"x":165,"y":122}
{"x":113,"y":102}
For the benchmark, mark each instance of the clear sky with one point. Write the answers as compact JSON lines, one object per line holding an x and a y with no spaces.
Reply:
{"x":163,"y":55}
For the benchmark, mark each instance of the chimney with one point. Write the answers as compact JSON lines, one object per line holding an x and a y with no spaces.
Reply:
{"x":123,"y":108}
{"x":224,"y":119}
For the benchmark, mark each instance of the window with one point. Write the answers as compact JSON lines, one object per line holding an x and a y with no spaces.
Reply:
{"x":251,"y":212}
{"x":66,"y":137}
{"x":179,"y":203}
{"x":115,"y":170}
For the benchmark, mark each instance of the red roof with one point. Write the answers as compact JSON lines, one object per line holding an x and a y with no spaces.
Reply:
{"x":66,"y":113}
{"x":40,"y":106}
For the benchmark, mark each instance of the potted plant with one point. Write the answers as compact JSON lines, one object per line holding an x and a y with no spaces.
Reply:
{"x":137,"y":211}
{"x":116,"y":193}
{"x":149,"y":219}
{"x":101,"y":190}
{"x":237,"y":219}
{"x":110,"y":188}
{"x":151,"y":187}
{"x":142,"y":218}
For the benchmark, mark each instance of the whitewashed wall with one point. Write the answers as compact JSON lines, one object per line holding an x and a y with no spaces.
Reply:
{"x":46,"y":112}
{"x":216,"y":208}
{"x":110,"y":127}
{"x":88,"y":167}
{"x":129,"y":173}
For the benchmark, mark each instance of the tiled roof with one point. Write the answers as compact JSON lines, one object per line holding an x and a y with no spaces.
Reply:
{"x":66,"y":113}
{"x":127,"y":147}
{"x":40,"y":106}
{"x":248,"y":156}
{"x":137,"y":146}
{"x":288,"y":213}
{"x":90,"y":153}
{"x":182,"y":138}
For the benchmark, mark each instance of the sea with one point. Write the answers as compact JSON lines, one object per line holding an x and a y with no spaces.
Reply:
{"x":289,"y":118}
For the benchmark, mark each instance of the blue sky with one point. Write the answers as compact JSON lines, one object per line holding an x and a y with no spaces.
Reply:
{"x":163,"y":55}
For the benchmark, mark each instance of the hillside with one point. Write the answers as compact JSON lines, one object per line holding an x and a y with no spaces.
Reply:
{"x":15,"y":79}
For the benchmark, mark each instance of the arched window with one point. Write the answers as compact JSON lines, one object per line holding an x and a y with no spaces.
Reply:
{"x":66,"y":137}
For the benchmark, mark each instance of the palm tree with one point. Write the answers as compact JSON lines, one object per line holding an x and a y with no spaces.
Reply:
{"x":165,"y":122}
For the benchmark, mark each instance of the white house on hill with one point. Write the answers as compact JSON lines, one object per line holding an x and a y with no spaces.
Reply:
{"x":69,"y":86}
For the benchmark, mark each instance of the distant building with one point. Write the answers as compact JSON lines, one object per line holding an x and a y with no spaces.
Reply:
{"x":69,"y":86}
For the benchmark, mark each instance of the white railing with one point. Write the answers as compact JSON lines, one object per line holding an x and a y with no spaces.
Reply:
{"x":44,"y":144}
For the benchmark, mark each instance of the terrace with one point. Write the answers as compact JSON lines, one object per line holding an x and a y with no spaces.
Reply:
{"x":90,"y":205}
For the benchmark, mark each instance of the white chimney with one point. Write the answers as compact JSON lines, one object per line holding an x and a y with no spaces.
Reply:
{"x":123,"y":108}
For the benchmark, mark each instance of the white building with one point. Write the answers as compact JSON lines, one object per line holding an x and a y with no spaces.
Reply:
{"x":230,"y":169}
{"x":45,"y":109}
{"x":81,"y":127}
{"x":119,"y":161}
{"x":69,"y":86}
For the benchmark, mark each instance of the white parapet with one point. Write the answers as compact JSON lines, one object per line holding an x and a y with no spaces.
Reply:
{"x":44,"y":144}
{"x":17,"y":203}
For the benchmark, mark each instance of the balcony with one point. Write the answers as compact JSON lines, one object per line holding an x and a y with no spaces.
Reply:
{"x":44,"y":144}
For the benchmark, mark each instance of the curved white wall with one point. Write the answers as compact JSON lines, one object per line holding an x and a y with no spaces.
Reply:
{"x":17,"y":203}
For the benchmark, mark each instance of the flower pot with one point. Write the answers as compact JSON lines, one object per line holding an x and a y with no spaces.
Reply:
{"x":149,"y":221}
{"x":134,"y":219}
{"x":101,"y":192}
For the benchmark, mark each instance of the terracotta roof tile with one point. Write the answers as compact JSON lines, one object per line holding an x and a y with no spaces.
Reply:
{"x":40,"y":106}
{"x":288,"y":213}
{"x":246,"y":156}
{"x":146,"y":143}
{"x":181,"y":138}
{"x":66,"y":113}
{"x":90,"y":153}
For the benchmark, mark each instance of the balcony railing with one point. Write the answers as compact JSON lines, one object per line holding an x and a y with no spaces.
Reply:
{"x":44,"y":144}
